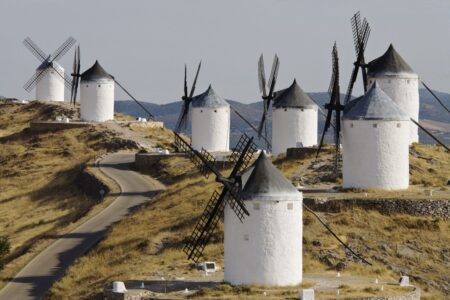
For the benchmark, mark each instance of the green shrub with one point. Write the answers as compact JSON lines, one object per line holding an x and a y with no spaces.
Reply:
{"x":4,"y":249}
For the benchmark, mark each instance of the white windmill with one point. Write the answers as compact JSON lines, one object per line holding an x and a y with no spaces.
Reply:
{"x":294,"y":119}
{"x":398,"y":80}
{"x":210,"y":116}
{"x":375,"y":139}
{"x":96,"y":94}
{"x":49,"y":78}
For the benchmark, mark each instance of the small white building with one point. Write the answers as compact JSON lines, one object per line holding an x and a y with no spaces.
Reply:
{"x":51,"y":86}
{"x":266,"y":248}
{"x":210,"y":115}
{"x":96,"y":95}
{"x":398,"y":80}
{"x":294,"y":119}
{"x":375,"y":142}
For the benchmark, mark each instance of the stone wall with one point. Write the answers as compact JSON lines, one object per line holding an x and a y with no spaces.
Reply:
{"x":421,"y":207}
{"x":53,"y":125}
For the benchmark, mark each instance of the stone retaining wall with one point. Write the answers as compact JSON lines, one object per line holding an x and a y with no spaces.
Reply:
{"x":50,"y":125}
{"x":420,"y":207}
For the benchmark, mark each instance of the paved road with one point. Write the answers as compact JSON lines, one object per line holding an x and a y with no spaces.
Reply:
{"x":37,"y":277}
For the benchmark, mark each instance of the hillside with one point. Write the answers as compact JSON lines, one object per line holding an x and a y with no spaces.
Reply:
{"x":433,"y":115}
{"x":147,"y":245}
{"x":39,"y":171}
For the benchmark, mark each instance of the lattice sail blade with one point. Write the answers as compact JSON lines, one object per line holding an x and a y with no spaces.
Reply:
{"x":273,"y":74}
{"x":31,"y":83}
{"x":205,"y":226}
{"x":356,"y":29}
{"x":191,"y":94}
{"x":262,"y":76}
{"x":63,"y":49}
{"x":204,"y":161}
{"x":37,"y":52}
{"x":183,"y":117}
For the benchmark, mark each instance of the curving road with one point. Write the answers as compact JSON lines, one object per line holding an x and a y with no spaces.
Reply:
{"x":34,"y":280}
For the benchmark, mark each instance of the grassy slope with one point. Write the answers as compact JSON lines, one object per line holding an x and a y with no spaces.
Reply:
{"x":38,"y":198}
{"x":148,"y":244}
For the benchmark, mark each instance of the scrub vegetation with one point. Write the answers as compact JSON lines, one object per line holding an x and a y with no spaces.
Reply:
{"x":148,"y":245}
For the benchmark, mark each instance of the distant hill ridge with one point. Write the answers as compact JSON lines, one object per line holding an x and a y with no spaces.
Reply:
{"x":436,"y":118}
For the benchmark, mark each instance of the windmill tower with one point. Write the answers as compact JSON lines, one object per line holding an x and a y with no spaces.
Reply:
{"x":266,"y":248}
{"x":96,"y":94}
{"x":49,"y":78}
{"x":210,"y":122}
{"x":398,"y":80}
{"x":376,"y":142}
{"x":263,"y":218}
{"x":294,"y":119}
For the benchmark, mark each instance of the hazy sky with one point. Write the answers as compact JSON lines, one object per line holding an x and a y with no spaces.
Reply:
{"x":145,"y":44}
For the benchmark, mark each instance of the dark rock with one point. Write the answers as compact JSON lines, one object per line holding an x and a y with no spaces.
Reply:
{"x":317,"y":243}
{"x":341,"y":266}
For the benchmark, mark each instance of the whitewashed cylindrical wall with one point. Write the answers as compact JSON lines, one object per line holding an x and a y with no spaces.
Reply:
{"x":266,"y":249}
{"x":97,"y":100}
{"x":51,"y":86}
{"x":211,"y":128}
{"x":291,"y":126}
{"x":404,"y":91}
{"x":375,"y":154}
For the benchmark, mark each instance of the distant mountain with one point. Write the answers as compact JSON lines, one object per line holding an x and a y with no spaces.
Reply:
{"x":434,"y":117}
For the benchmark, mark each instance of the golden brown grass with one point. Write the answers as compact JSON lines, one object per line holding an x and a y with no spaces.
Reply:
{"x":39,"y":199}
{"x":147,"y":245}
{"x":162,"y":137}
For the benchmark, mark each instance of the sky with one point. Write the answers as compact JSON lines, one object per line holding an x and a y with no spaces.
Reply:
{"x":145,"y":43}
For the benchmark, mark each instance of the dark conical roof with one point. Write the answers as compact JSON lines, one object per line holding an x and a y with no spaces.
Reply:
{"x":209,"y":99}
{"x":293,"y":96}
{"x":96,"y":72}
{"x":264,"y":180}
{"x":390,"y":63}
{"x":374,"y":105}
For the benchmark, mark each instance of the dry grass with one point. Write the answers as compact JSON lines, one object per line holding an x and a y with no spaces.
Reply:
{"x":147,"y":245}
{"x":38,"y":198}
{"x":162,"y":137}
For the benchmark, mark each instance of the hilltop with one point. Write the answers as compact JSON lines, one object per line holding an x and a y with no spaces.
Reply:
{"x":148,"y":245}
{"x":41,"y":200}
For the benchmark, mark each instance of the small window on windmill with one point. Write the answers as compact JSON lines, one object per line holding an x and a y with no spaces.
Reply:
{"x":245,"y":237}
{"x":87,"y":85}
{"x":351,"y":125}
{"x":256,"y":206}
{"x":285,"y":109}
{"x":99,"y":85}
{"x":375,"y":125}
{"x":301,"y":109}
{"x":201,"y":110}
{"x":399,"y":125}
{"x":215,"y":110}
{"x":290,"y":206}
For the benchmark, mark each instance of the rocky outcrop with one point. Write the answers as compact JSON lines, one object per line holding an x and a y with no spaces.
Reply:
{"x":420,"y":207}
